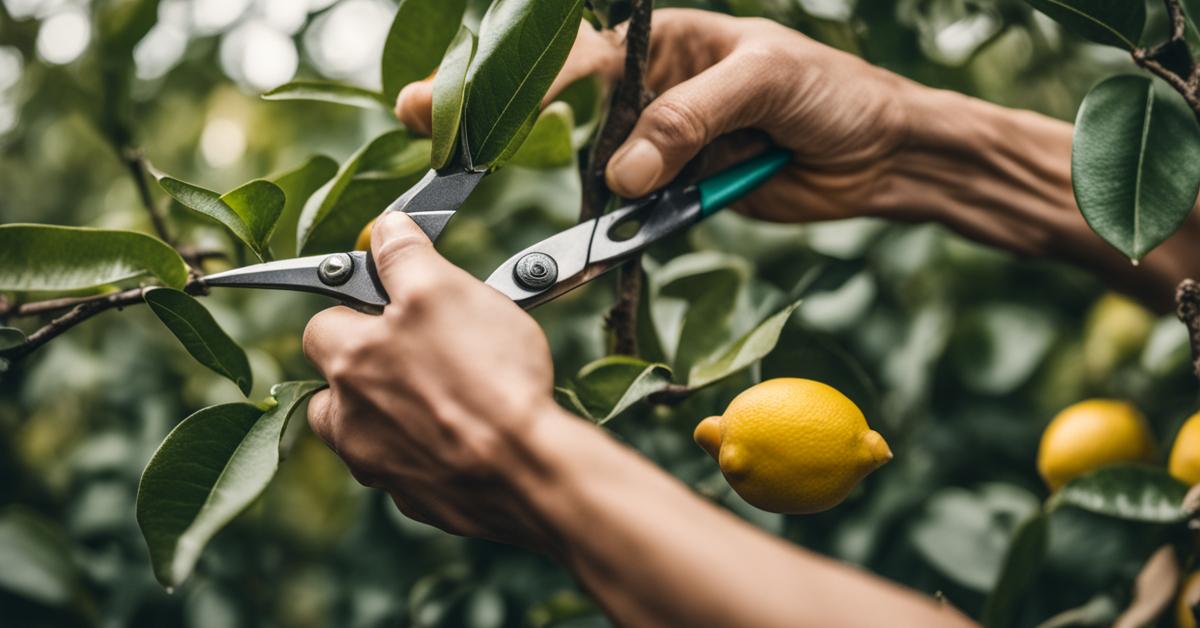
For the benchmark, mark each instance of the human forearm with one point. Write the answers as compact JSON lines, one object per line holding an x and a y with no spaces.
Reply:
{"x":653,"y":553}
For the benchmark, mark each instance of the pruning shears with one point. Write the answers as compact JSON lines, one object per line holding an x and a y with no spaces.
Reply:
{"x":539,"y":273}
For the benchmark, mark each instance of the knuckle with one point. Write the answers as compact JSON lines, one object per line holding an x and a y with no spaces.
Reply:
{"x":395,"y":249}
{"x":678,"y":123}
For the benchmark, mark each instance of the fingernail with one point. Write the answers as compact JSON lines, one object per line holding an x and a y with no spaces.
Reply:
{"x":635,"y":168}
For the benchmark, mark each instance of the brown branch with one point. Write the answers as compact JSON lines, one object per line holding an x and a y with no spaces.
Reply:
{"x":136,"y":164}
{"x":1172,"y":59}
{"x":1187,"y":308}
{"x":671,"y":395}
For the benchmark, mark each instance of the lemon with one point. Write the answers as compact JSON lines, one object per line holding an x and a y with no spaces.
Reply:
{"x":1184,"y":462}
{"x":363,"y":243}
{"x":1089,"y":435}
{"x":1189,"y":597}
{"x":792,"y":445}
{"x":1115,"y":331}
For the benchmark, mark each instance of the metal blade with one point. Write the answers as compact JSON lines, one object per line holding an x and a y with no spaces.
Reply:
{"x":568,"y":254}
{"x":433,"y":200}
{"x":348,"y":277}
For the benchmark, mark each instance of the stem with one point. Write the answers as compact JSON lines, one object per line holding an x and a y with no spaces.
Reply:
{"x":136,"y":164}
{"x":1172,"y":59}
{"x":1187,"y":300}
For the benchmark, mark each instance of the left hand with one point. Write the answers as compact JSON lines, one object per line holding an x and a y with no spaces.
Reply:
{"x":437,"y":400}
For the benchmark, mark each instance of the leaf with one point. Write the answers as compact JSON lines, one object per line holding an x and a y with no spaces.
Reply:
{"x":745,"y":351}
{"x":522,"y":46}
{"x":249,"y":211}
{"x":1132,"y":492}
{"x":548,"y":144}
{"x":298,"y":185}
{"x":327,"y":91}
{"x":586,"y":98}
{"x":609,"y":386}
{"x":1101,"y":610}
{"x":35,"y":556}
{"x":1021,"y":563}
{"x":420,"y":33}
{"x":449,"y":87}
{"x":201,"y":335}
{"x":364,"y":186}
{"x":1135,"y":164}
{"x":208,"y":469}
{"x":11,"y":337}
{"x":709,"y":283}
{"x":53,"y":258}
{"x":1001,"y":345}
{"x":1113,"y":22}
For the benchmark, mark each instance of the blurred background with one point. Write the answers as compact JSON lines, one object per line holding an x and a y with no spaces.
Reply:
{"x":958,"y":354}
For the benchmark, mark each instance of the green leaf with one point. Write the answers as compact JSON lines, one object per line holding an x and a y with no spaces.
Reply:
{"x":201,"y":335}
{"x":745,"y":351}
{"x":1021,"y":563}
{"x":53,"y":258}
{"x":586,"y":98}
{"x":11,"y":337}
{"x":449,"y":87}
{"x":298,"y":185}
{"x":419,"y":35}
{"x":249,"y":211}
{"x":709,"y":283}
{"x":609,"y":386}
{"x":1132,"y":492}
{"x":208,"y":469}
{"x":1135,"y":164}
{"x":37,"y":563}
{"x":368,"y":181}
{"x":522,"y":46}
{"x":1113,"y":22}
{"x":548,"y":144}
{"x":326,"y":91}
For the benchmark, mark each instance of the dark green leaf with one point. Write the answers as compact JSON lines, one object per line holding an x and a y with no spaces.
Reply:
{"x":745,"y":351}
{"x":1021,"y":564}
{"x":298,"y":185}
{"x":419,"y":35}
{"x":609,"y":386}
{"x":325,"y":91}
{"x":522,"y":46}
{"x":37,"y":564}
{"x":121,"y":24}
{"x":1101,"y":610}
{"x":249,"y":211}
{"x":11,"y":337}
{"x":368,"y":181}
{"x":586,"y":98}
{"x":1136,"y":493}
{"x":1135,"y":164}
{"x":548,"y":144}
{"x":449,"y":86}
{"x":709,"y":284}
{"x":1113,"y":22}
{"x":208,"y":469}
{"x":201,"y":335}
{"x":52,"y":258}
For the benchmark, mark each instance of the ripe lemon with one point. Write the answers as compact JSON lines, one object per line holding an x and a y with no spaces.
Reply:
{"x":1089,"y":435}
{"x":1184,"y":463}
{"x":1189,"y":596}
{"x":363,"y":243}
{"x":792,"y":445}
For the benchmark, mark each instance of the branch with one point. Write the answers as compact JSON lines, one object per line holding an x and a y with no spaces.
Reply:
{"x":1172,"y":59}
{"x":1187,"y":308}
{"x":136,"y":164}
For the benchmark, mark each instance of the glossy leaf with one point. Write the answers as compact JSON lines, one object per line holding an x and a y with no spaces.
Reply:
{"x":522,"y":46}
{"x":201,"y":335}
{"x":249,"y":211}
{"x":449,"y":88}
{"x":53,"y":258}
{"x":549,"y":144}
{"x":364,"y":186}
{"x":298,"y":185}
{"x":326,"y":91}
{"x":11,"y":337}
{"x":1021,"y":563}
{"x":1135,"y":164}
{"x":210,"y":468}
{"x":37,"y":563}
{"x":745,"y":351}
{"x":1113,"y":22}
{"x":420,"y":33}
{"x":1137,"y":493}
{"x":607,"y":387}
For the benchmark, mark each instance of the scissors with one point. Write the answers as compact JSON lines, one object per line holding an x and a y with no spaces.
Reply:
{"x":537,"y":274}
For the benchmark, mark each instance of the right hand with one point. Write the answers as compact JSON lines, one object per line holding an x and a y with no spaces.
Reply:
{"x":734,"y":83}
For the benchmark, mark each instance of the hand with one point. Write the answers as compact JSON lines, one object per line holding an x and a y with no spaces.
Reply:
{"x":733,"y":83}
{"x":436,"y":400}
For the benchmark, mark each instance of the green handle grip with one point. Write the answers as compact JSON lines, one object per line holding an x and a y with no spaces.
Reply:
{"x":723,"y":189}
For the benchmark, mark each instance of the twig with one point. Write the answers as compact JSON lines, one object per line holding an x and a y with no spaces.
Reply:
{"x":136,"y":164}
{"x":1187,"y":308}
{"x":671,"y":395}
{"x":1172,"y":59}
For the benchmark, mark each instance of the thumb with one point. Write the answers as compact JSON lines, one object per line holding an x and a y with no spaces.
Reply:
{"x":397,"y":242}
{"x":682,"y":121}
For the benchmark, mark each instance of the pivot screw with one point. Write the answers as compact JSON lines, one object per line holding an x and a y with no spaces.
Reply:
{"x":336,"y":269}
{"x":536,"y":271}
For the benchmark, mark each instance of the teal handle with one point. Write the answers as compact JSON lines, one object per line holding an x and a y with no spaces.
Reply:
{"x":722,"y":190}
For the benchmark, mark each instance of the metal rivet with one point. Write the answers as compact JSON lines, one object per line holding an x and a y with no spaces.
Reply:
{"x":336,"y":269}
{"x":536,"y":271}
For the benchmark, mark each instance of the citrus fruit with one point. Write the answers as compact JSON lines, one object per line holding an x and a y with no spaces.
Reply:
{"x":363,"y":243}
{"x":1089,"y":435}
{"x":792,"y":445}
{"x":1184,"y":462}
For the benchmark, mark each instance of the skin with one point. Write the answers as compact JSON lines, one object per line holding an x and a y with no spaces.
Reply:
{"x":445,"y":401}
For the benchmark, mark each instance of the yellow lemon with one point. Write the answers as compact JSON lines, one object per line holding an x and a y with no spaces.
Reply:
{"x":1189,"y":598}
{"x":1184,"y":463}
{"x":792,"y":445}
{"x":1089,"y":435}
{"x":363,"y":243}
